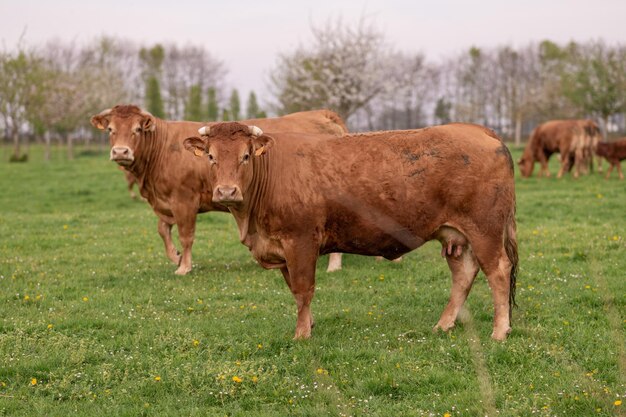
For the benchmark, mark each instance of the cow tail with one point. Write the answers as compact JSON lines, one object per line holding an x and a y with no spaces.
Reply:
{"x":510,"y":247}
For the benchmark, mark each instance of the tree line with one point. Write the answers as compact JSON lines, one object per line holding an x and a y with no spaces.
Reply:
{"x":356,"y":72}
{"x":48,"y":92}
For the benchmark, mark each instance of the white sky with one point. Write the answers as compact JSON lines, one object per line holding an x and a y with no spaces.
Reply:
{"x":247,"y":35}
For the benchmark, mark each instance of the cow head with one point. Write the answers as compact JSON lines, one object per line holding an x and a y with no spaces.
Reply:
{"x":127,"y":126}
{"x":526,"y":165}
{"x":231,"y":150}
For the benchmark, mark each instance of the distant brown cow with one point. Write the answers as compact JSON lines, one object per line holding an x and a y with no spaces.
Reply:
{"x":175,"y":183}
{"x":615,"y":153}
{"x":573,"y":139}
{"x":383,"y":193}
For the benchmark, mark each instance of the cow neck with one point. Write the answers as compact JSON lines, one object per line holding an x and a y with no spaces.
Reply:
{"x":146,"y":163}
{"x":260,"y":188}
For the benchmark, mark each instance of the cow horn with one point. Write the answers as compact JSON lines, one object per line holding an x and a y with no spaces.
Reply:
{"x":204,"y":130}
{"x":255,"y":131}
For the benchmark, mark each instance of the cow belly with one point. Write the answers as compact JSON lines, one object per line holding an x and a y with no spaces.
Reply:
{"x":390,"y":244}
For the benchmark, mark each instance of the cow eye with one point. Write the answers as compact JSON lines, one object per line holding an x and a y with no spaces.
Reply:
{"x":246,"y":157}
{"x":211,"y":158}
{"x":138,"y":129}
{"x":110,"y":129}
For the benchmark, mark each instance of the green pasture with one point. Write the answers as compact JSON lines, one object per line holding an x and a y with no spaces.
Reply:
{"x":93,"y":320}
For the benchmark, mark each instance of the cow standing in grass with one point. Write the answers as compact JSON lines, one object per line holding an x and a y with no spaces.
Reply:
{"x":383,"y":193}
{"x":615,"y":153}
{"x":574,"y":140}
{"x":175,"y":183}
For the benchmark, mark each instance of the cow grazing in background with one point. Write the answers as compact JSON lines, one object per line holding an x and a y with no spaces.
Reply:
{"x":572,"y":139}
{"x":174,"y":182}
{"x":615,"y":153}
{"x":383,"y":193}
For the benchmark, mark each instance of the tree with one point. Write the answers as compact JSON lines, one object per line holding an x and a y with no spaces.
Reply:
{"x":193,"y":110}
{"x":235,"y":104}
{"x":597,"y":83}
{"x":22,"y":90}
{"x":225,"y":115}
{"x":342,"y":70}
{"x":154,"y":102}
{"x":153,"y":60}
{"x":252,"y":109}
{"x":212,"y":106}
{"x":442,"y":111}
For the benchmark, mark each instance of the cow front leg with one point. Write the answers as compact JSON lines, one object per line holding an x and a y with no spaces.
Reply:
{"x":464,"y":267}
{"x":165,"y":231}
{"x":608,"y":171}
{"x":300,"y":276}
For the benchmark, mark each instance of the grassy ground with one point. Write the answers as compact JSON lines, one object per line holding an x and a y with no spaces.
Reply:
{"x":93,"y":320}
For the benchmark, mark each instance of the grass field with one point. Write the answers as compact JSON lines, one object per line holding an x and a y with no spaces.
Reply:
{"x":93,"y":320}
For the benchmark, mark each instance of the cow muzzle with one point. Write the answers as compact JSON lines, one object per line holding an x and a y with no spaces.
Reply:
{"x":123,"y":155}
{"x":227,"y":195}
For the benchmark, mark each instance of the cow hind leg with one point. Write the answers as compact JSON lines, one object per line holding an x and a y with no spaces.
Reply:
{"x":165,"y":231}
{"x":463,"y":264}
{"x":464,"y":267}
{"x":495,"y":263}
{"x":186,"y":232}
{"x":334,"y":262}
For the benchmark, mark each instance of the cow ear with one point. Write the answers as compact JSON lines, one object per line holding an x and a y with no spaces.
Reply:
{"x":101,"y":120}
{"x":148,"y":122}
{"x":195,"y":145}
{"x":261,"y":144}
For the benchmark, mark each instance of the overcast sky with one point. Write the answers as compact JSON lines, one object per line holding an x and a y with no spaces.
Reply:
{"x":247,"y":35}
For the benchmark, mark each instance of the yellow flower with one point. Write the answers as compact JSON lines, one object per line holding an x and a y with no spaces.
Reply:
{"x":259,"y":346}
{"x":237,"y":379}
{"x":587,"y":287}
{"x":617,"y":403}
{"x":196,"y":342}
{"x":446,"y":414}
{"x":38,"y":297}
{"x":65,"y":227}
{"x":616,"y":238}
{"x":50,"y":326}
{"x":157,"y":378}
{"x":33,"y":382}
{"x":85,"y":299}
{"x":255,"y":379}
{"x":26,"y":297}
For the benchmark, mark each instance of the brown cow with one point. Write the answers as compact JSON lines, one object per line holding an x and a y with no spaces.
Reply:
{"x":175,"y":183}
{"x":573,"y":139}
{"x":383,"y":193}
{"x":615,"y":153}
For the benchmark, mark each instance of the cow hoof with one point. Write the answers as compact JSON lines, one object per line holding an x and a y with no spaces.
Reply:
{"x":182,"y":271}
{"x":333,"y":268}
{"x":397,"y":260}
{"x":302,"y":335}
{"x":500,"y":335}
{"x":444,"y":327}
